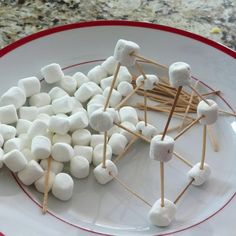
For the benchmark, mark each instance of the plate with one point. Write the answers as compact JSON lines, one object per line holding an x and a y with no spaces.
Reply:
{"x":110,"y":209}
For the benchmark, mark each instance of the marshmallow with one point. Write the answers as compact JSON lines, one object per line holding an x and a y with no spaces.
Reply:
{"x":86,"y":91}
{"x":129,"y":126}
{"x":62,"y":152}
{"x":30,"y":85}
{"x":28,"y":154}
{"x":129,"y":114}
{"x":117,"y":143}
{"x":101,"y":120}
{"x":115,"y":97}
{"x":46,"y":110}
{"x":199,"y":176}
{"x":84,"y":151}
{"x":97,"y":99}
{"x":98,"y":154}
{"x":59,"y":125}
{"x":162,"y":216}
{"x":32,"y":172}
{"x":97,"y":74}
{"x":8,"y":114}
{"x":28,"y":113}
{"x":113,"y":130}
{"x":22,"y":126}
{"x":63,"y":186}
{"x":93,"y":107}
{"x":105,"y":175}
{"x":69,"y":84}
{"x":38,"y":127}
{"x":125,"y":88}
{"x":57,"y":92}
{"x":161,"y":150}
{"x":106,"y":82}
{"x":81,"y":137}
{"x":109,"y":65}
{"x":14,"y":96}
{"x":7,"y":131}
{"x":79,"y":120}
{"x":52,"y":73}
{"x":149,"y":83}
{"x":12,"y":144}
{"x":1,"y":140}
{"x":124,"y":75}
{"x":45,"y":118}
{"x":40,"y":183}
{"x":149,"y":131}
{"x":75,"y":104}
{"x":15,"y":160}
{"x":96,"y":139}
{"x":80,"y":78}
{"x":58,"y":138}
{"x":56,"y":166}
{"x":1,"y":157}
{"x":114,"y":113}
{"x":123,"y":51}
{"x":41,"y":147}
{"x":179,"y":74}
{"x":79,"y":167}
{"x":39,"y":100}
{"x":210,"y":113}
{"x":25,"y":140}
{"x":62,"y":105}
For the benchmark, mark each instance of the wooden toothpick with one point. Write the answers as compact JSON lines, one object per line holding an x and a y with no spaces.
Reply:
{"x":213,"y":139}
{"x":227,"y":113}
{"x":199,"y":95}
{"x":104,"y":150}
{"x":183,"y":159}
{"x":162,"y":183}
{"x":203,"y":148}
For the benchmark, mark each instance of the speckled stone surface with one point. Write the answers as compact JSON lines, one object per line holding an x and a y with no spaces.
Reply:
{"x":214,"y":19}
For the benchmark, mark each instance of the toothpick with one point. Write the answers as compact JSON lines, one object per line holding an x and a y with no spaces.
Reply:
{"x":199,"y":95}
{"x":46,"y":187}
{"x":215,"y":92}
{"x":228,"y":113}
{"x":183,"y":159}
{"x":162,"y":183}
{"x":104,"y":150}
{"x":203,"y":148}
{"x":213,"y":139}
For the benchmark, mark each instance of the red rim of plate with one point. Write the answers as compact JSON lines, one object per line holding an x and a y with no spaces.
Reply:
{"x":61,"y":28}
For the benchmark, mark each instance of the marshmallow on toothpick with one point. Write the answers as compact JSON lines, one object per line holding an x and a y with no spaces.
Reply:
{"x":162,"y":216}
{"x":149,"y":131}
{"x":98,"y":154}
{"x":62,"y":152}
{"x":8,"y":114}
{"x":149,"y":83}
{"x":199,"y":176}
{"x":40,"y":183}
{"x":123,"y":51}
{"x":179,"y":74}
{"x":15,"y":160}
{"x":117,"y":143}
{"x":30,"y":85}
{"x":96,"y":74}
{"x":41,"y":147}
{"x":161,"y":150}
{"x":52,"y":73}
{"x":84,"y":151}
{"x":129,"y":114}
{"x":210,"y":112}
{"x":79,"y":167}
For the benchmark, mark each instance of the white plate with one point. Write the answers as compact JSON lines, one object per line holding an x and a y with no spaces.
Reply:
{"x":110,"y":209}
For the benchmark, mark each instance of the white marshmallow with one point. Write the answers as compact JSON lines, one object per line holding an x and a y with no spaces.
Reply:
{"x":30,"y":85}
{"x":15,"y":160}
{"x":79,"y":167}
{"x":40,"y":183}
{"x":25,"y":140}
{"x":38,"y":127}
{"x":101,"y":120}
{"x":52,"y":73}
{"x":210,"y":113}
{"x":118,"y":143}
{"x":46,"y":110}
{"x":124,"y":75}
{"x":80,"y":78}
{"x":59,"y":125}
{"x":22,"y":126}
{"x":56,"y":166}
{"x":149,"y":83}
{"x":32,"y":172}
{"x":7,"y":131}
{"x":114,"y":113}
{"x":97,"y":99}
{"x":115,"y":96}
{"x":106,"y":82}
{"x":40,"y":99}
{"x":129,"y":114}
{"x":129,"y":126}
{"x":123,"y":50}
{"x":113,"y":130}
{"x":78,"y":120}
{"x":96,"y":139}
{"x":179,"y":74}
{"x":1,"y":157}
{"x":44,"y":117}
{"x":97,"y":74}
{"x":162,"y":216}
{"x":149,"y":131}
{"x":161,"y":150}
{"x":81,"y":137}
{"x":57,"y":92}
{"x":14,"y":96}
{"x":62,"y":115}
{"x":124,"y":88}
{"x":28,"y":154}
{"x":62,"y":152}
{"x":28,"y":113}
{"x":69,"y":84}
{"x":199,"y":176}
{"x":98,"y":154}
{"x":84,"y":151}
{"x":62,"y":105}
{"x":41,"y":147}
{"x":8,"y":114}
{"x":12,"y":144}
{"x":105,"y":175}
{"x":63,"y":186}
{"x":109,"y":65}
{"x":1,"y":140}
{"x":76,"y":104}
{"x":58,"y":138}
{"x":93,"y":107}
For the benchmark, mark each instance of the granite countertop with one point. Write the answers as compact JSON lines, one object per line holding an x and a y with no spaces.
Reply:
{"x":214,"y":19}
